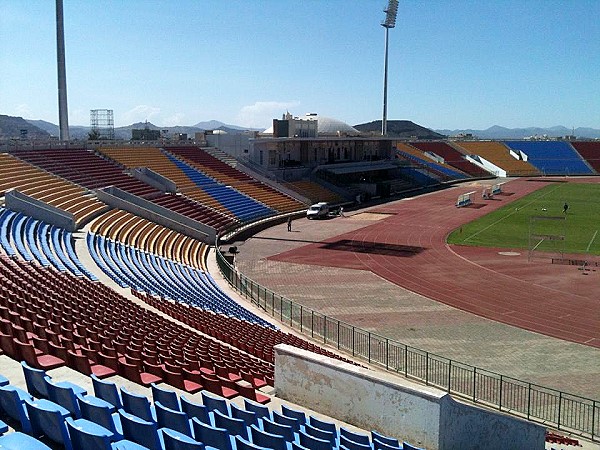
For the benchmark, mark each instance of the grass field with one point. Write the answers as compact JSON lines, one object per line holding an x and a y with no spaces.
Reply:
{"x":512,"y":225}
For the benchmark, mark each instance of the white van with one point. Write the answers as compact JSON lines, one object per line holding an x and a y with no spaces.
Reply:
{"x":318,"y":210}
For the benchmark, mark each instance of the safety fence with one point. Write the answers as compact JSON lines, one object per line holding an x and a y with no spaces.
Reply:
{"x":550,"y":407}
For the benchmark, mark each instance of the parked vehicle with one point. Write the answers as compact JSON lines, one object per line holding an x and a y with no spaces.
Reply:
{"x":318,"y":210}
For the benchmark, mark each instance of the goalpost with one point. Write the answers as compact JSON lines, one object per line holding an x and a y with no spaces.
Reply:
{"x":547,"y":236}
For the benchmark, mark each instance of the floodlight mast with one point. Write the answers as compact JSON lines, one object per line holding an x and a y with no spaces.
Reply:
{"x":63,"y":116}
{"x":390,"y":22}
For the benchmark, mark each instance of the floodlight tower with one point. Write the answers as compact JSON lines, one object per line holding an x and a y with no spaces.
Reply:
{"x":63,"y":115}
{"x":390,"y":22}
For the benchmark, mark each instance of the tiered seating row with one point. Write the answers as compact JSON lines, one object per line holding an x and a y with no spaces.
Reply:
{"x":443,"y":172}
{"x":43,"y":186}
{"x":315,"y":192}
{"x":498,"y":154}
{"x":35,"y":240}
{"x":138,"y":232}
{"x":197,"y":211}
{"x":243,"y":207}
{"x":85,"y":169}
{"x":49,"y":319}
{"x":65,"y":414}
{"x":147,"y":272}
{"x":451,"y":156}
{"x":252,"y":338}
{"x":552,"y":157}
{"x":590,"y":151}
{"x":231,"y":176}
{"x":199,"y":206}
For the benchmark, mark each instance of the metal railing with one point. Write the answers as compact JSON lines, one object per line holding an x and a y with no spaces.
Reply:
{"x":556,"y":409}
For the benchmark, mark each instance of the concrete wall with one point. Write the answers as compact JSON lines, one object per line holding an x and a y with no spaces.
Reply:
{"x":369,"y":399}
{"x":17,"y":201}
{"x":154,"y":179}
{"x":118,"y":198}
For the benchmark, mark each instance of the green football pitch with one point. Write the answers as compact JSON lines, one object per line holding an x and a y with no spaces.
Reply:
{"x":537,"y":221}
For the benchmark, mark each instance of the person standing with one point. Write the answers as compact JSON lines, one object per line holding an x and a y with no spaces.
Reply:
{"x":289,"y":223}
{"x":565,"y":207}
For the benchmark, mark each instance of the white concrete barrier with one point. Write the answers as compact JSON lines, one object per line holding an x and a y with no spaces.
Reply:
{"x":394,"y":406}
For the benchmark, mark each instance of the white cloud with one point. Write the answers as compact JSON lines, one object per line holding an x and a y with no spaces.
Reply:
{"x":23,"y":110}
{"x":140,"y":113}
{"x":261,"y":114}
{"x":174,"y":120}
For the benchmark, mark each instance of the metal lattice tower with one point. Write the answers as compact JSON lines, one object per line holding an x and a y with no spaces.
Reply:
{"x":102,"y":123}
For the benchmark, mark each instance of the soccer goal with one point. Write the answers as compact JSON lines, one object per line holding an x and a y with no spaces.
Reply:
{"x":547,"y":235}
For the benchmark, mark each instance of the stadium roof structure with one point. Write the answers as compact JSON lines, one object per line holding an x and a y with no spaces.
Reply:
{"x":327,"y":126}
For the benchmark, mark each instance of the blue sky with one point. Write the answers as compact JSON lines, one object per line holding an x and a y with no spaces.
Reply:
{"x":453,"y":64}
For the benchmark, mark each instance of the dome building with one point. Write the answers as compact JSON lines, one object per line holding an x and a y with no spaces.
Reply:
{"x":312,"y":125}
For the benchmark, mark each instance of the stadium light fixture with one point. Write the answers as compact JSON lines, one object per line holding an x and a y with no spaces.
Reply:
{"x":390,"y":22}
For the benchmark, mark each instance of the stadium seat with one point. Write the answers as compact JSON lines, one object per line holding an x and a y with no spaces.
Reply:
{"x":243,"y":444}
{"x":359,"y":438}
{"x":215,"y":403}
{"x":141,"y":431}
{"x":138,"y":405}
{"x":195,"y":410}
{"x":101,"y":412}
{"x":314,"y":443}
{"x":300,"y":416}
{"x":12,"y":402}
{"x":107,"y":391}
{"x":166,"y":397}
{"x":393,"y":442}
{"x":48,"y":419}
{"x":17,"y":440}
{"x":238,"y":412}
{"x":233,"y":426}
{"x":268,"y":440}
{"x":177,"y":441}
{"x":210,"y":436}
{"x":281,"y":430}
{"x":173,"y":419}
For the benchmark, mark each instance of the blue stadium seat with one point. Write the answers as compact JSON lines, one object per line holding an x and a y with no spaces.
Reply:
{"x":141,"y":431}
{"x":233,"y":426}
{"x":294,"y":414}
{"x":177,"y":441}
{"x":107,"y":391}
{"x":48,"y":419}
{"x":102,"y":413}
{"x":166,"y":397}
{"x":195,"y":410}
{"x":173,"y":419}
{"x":210,"y":436}
{"x":359,"y":438}
{"x":138,"y":405}
{"x":65,"y":395}
{"x":214,"y":402}
{"x":19,"y":441}
{"x":268,"y":440}
{"x":279,"y":429}
{"x":243,"y":444}
{"x":249,"y":417}
{"x":376,"y":436}
{"x":12,"y":402}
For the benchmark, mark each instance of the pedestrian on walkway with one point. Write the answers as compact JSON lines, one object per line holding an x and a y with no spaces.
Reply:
{"x":289,"y":223}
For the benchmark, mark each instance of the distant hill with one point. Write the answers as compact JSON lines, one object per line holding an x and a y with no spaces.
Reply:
{"x":400,"y":129}
{"x":10,"y":128}
{"x":498,"y":132}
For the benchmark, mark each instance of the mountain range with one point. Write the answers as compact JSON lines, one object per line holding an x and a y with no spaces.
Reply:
{"x":10,"y":128}
{"x":81,"y":132}
{"x":498,"y":132}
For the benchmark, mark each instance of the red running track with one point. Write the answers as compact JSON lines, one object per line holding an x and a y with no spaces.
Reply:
{"x":409,"y":249}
